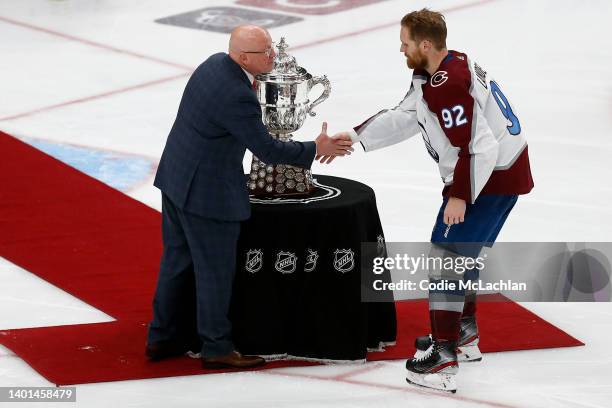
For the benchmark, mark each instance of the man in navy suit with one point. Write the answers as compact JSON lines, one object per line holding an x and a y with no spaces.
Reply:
{"x":204,"y":197}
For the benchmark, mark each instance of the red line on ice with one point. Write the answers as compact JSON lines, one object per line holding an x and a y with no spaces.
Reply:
{"x":92,"y":43}
{"x":366,"y":369}
{"x":94,"y":97}
{"x":386,"y":25}
{"x":189,"y":69}
{"x":407,"y":389}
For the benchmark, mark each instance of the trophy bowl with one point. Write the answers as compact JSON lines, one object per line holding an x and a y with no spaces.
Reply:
{"x":285,"y":102}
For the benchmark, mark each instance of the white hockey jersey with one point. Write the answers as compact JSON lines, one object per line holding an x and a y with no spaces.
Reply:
{"x":469,"y":127}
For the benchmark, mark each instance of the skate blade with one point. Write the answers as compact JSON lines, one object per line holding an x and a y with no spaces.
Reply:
{"x":435,"y":381}
{"x":469,"y":354}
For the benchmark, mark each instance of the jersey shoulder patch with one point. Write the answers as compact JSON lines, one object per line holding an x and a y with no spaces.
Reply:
{"x":454,"y":70}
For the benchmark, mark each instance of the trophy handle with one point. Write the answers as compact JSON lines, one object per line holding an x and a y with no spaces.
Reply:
{"x":316,"y":81}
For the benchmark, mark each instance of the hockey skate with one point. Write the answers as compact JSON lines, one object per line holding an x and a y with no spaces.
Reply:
{"x":467,"y":349}
{"x":436,"y":369}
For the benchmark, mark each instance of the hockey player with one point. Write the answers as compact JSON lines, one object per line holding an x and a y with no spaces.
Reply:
{"x":472,"y":131}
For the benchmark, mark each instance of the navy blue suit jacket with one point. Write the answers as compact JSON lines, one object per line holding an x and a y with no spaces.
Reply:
{"x":218,"y":118}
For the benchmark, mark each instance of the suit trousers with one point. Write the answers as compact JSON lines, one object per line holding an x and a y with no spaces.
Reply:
{"x":198,"y":261}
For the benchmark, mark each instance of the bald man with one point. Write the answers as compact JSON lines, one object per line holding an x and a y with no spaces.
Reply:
{"x":204,"y":198}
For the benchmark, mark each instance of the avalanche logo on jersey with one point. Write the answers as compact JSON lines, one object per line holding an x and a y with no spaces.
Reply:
{"x":439,"y":78}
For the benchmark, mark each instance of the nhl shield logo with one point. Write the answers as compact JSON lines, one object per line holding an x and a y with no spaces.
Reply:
{"x":286,"y":262}
{"x":254,"y":260}
{"x":311,"y":260}
{"x":344,"y":260}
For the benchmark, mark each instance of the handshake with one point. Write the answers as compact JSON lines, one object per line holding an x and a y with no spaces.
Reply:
{"x":328,"y":148}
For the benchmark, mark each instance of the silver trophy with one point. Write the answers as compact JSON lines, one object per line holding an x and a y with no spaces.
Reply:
{"x":283,"y":95}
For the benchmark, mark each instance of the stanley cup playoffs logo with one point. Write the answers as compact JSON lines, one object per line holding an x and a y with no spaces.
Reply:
{"x":381,"y":247}
{"x":312,"y":7}
{"x":225,"y":19}
{"x":344,"y":260}
{"x":311,"y":260}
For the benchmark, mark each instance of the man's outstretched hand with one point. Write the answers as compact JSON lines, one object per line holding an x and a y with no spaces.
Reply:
{"x":330,"y":147}
{"x":340,"y":137}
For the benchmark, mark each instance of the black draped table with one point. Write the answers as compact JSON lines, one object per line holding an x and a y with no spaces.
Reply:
{"x":297,"y":289}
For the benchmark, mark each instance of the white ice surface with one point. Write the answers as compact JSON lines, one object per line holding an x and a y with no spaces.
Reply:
{"x":553,"y":59}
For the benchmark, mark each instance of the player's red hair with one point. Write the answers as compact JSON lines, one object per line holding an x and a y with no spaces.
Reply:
{"x":426,"y":25}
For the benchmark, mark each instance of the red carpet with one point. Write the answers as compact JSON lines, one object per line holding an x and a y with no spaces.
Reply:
{"x":103,"y":247}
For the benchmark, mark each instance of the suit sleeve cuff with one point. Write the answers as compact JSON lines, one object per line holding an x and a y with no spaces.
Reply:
{"x":313,"y":146}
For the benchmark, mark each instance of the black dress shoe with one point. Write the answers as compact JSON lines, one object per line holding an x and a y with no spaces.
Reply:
{"x":232,"y":360}
{"x":165,"y":349}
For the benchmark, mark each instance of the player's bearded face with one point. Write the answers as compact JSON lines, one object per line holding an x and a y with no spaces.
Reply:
{"x":416,"y":59}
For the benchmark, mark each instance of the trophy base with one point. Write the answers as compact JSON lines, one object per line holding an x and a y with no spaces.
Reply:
{"x":281,"y":180}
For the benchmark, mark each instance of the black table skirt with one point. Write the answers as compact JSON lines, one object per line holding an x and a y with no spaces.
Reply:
{"x":284,"y":303}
